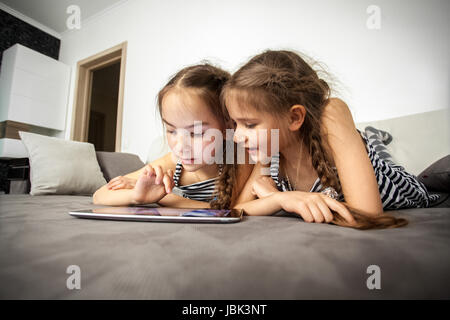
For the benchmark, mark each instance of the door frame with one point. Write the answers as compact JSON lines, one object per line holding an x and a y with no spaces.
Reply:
{"x":83,"y":86}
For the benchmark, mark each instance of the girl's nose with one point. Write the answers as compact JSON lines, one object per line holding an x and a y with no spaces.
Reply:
{"x":239,"y":136}
{"x":183,"y":144}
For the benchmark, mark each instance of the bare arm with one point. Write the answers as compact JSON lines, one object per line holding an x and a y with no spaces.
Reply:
{"x":261,"y":207}
{"x":311,"y":206}
{"x":250,"y":203}
{"x":304,"y":204}
{"x":124,"y":197}
{"x":121,"y":197}
{"x":355,"y":170}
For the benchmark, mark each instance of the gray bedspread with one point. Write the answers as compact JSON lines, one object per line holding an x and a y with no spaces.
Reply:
{"x":274,"y":257}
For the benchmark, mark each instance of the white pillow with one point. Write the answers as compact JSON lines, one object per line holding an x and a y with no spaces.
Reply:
{"x":60,"y":166}
{"x":418,"y":139}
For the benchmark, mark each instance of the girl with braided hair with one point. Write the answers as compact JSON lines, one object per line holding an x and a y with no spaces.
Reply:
{"x":325,"y":170}
{"x":187,"y":177}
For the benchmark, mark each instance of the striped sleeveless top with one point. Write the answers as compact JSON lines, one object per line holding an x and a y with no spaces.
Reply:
{"x":398,"y":188}
{"x":200,"y":191}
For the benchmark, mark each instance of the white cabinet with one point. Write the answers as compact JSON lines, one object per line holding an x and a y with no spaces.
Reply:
{"x":34,"y":90}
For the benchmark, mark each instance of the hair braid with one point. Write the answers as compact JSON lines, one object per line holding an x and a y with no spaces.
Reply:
{"x":225,"y":186}
{"x":224,"y":189}
{"x":320,"y":162}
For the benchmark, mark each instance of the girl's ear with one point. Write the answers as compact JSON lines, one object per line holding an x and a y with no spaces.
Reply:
{"x":297,"y":115}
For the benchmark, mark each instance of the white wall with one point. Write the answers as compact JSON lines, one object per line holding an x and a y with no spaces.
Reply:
{"x":401,"y":69}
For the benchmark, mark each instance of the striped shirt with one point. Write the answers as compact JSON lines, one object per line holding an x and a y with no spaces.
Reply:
{"x":398,"y":188}
{"x":200,"y":191}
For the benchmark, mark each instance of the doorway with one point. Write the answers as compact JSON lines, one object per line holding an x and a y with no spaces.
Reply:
{"x":98,"y":106}
{"x":103,"y":108}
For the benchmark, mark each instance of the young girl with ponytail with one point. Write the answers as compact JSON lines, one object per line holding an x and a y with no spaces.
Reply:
{"x":326,"y":170}
{"x":186,"y":177}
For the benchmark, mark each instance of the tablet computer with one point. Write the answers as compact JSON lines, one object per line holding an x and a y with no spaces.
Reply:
{"x":161,"y":214}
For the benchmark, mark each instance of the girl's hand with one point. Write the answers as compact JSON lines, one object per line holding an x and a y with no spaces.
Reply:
{"x":263,"y":186}
{"x":313,"y":206}
{"x":121,"y":182}
{"x":152,"y":185}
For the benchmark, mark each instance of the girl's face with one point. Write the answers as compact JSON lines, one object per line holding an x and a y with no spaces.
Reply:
{"x":189,"y":124}
{"x":258,"y":132}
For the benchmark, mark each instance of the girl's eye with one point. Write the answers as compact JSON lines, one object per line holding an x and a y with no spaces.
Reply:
{"x":170,"y":131}
{"x":250,"y":125}
{"x":198,"y":135}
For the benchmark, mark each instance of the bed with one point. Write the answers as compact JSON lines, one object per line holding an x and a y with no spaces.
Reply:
{"x":273,"y":257}
{"x":265,"y":257}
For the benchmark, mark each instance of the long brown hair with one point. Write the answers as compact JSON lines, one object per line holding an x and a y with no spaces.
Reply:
{"x":273,"y":82}
{"x":208,"y":81}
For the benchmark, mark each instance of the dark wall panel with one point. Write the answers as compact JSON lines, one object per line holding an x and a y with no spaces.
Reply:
{"x":14,"y":30}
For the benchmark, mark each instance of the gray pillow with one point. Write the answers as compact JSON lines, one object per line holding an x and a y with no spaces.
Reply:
{"x":60,"y":166}
{"x":115,"y":164}
{"x":437,"y":176}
